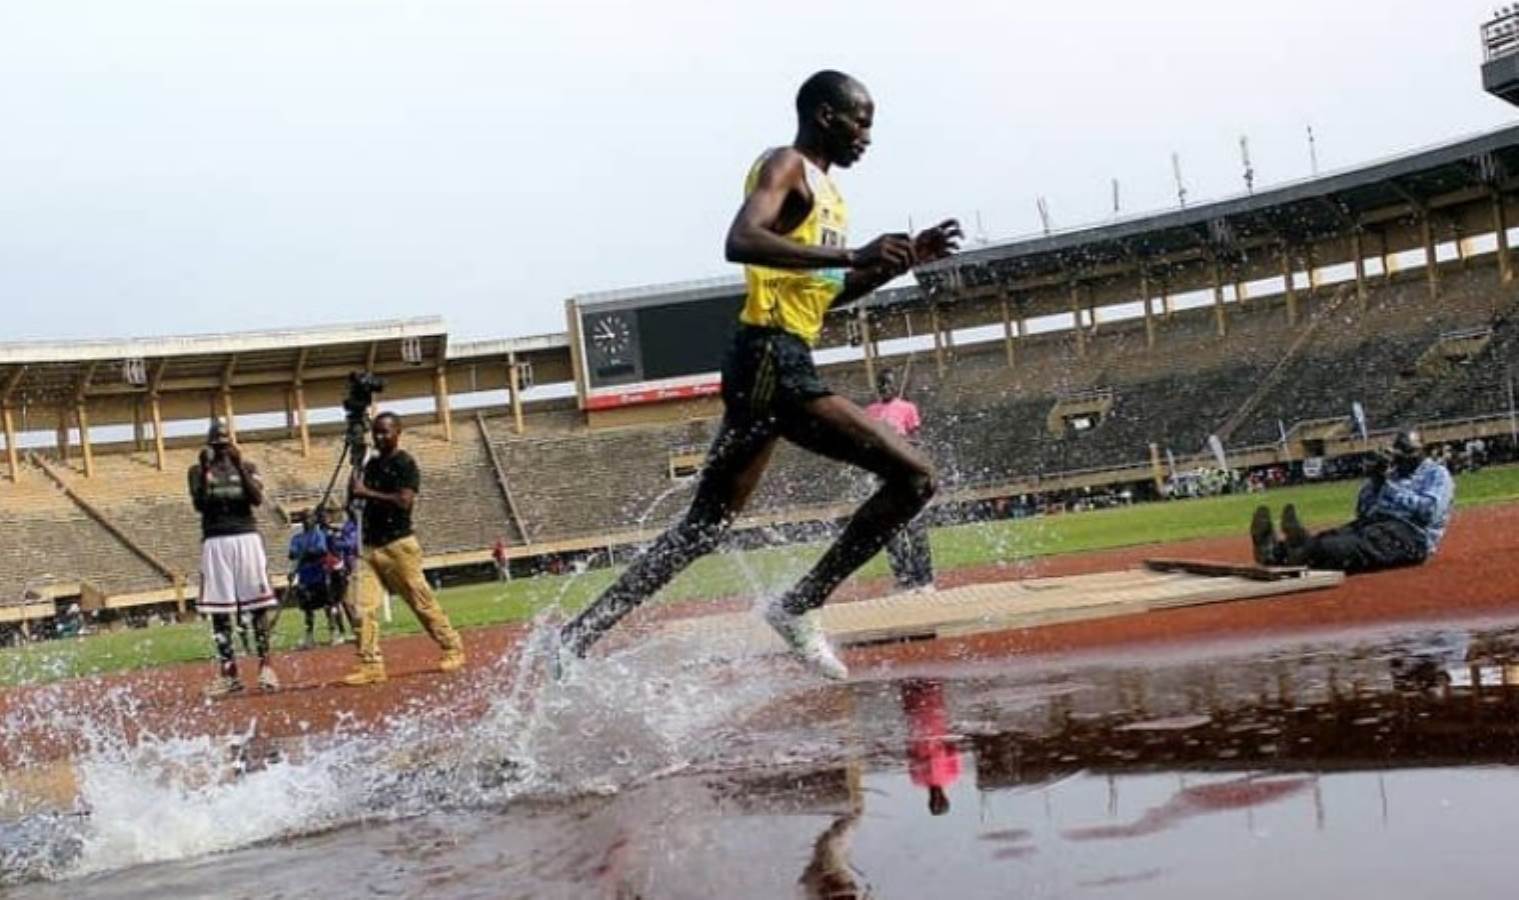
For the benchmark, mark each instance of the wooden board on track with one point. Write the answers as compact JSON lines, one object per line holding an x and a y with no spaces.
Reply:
{"x":1210,"y":567}
{"x":1001,"y":606}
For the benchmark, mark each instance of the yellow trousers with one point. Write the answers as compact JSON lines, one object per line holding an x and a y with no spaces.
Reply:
{"x":397,"y":568}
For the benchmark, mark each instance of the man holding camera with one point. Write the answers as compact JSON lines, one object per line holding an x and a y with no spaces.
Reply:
{"x":1401,"y":515}
{"x":391,"y":558}
{"x":234,"y":577}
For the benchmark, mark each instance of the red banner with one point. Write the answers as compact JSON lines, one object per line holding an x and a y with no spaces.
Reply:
{"x":652,"y":395}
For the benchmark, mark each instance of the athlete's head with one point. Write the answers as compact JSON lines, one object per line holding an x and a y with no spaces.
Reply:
{"x":837,"y":112}
{"x":386,"y":432}
{"x":886,"y":384}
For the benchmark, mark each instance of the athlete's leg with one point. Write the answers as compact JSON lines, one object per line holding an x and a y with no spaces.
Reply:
{"x":899,"y":556}
{"x":733,"y":468}
{"x":226,"y":654}
{"x":922,"y":552}
{"x":263,"y":622}
{"x":838,"y":429}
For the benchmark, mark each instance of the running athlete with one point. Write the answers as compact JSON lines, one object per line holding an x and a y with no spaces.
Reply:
{"x":789,"y":235}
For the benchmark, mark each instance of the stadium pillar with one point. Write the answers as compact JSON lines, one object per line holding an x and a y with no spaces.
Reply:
{"x":868,"y":347}
{"x":1158,"y":473}
{"x":1144,"y":290}
{"x":1500,"y":228}
{"x":1220,"y":318}
{"x":1311,"y":266}
{"x":158,"y":431}
{"x":12,"y":453}
{"x":1007,"y":334}
{"x":1389,"y":260}
{"x":139,"y":436}
{"x":1358,"y":251}
{"x":514,"y":383}
{"x":440,"y":398}
{"x":1081,"y":335}
{"x":85,"y":450}
{"x":1289,"y":285}
{"x":933,"y":313}
{"x":1431,"y":261}
{"x":63,"y":435}
{"x":229,"y":413}
{"x":302,"y":423}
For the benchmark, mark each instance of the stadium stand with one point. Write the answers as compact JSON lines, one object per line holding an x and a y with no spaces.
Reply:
{"x":1097,"y":404}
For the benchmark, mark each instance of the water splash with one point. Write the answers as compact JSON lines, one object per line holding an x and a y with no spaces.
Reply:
{"x":141,"y":798}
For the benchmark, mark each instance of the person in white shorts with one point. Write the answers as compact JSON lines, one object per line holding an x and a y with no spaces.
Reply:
{"x":234,"y":576}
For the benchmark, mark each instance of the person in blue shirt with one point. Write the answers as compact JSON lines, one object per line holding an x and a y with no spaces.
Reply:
{"x":308,"y":553}
{"x":342,"y":562}
{"x":1400,"y":517}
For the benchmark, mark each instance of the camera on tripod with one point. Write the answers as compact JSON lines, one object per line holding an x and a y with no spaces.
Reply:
{"x":362,"y":386}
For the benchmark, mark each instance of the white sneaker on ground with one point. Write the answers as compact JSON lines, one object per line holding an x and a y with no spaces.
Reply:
{"x":804,"y":637}
{"x":222,"y":686}
{"x":267,"y":680}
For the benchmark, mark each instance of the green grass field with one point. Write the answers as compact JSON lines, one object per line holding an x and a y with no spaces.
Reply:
{"x":755,"y":572}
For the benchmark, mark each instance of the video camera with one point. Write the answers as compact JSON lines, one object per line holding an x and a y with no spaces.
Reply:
{"x":362,"y":386}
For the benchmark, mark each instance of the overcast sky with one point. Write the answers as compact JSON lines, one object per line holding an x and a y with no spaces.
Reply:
{"x":186,"y":167}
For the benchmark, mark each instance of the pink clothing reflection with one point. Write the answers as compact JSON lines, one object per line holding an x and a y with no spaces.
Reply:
{"x":933,"y":760}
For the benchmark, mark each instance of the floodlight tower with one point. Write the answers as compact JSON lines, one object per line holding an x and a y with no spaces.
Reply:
{"x":1500,"y":54}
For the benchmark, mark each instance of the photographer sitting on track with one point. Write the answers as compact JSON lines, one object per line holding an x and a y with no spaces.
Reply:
{"x":1401,"y":515}
{"x":392,"y":559}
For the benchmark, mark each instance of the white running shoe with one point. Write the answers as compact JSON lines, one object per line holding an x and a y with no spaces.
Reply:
{"x":806,"y":641}
{"x":267,"y":680}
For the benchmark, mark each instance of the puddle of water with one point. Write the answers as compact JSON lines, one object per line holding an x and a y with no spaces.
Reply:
{"x":1376,"y":768}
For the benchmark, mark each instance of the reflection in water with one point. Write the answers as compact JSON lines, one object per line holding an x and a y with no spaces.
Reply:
{"x":830,"y":874}
{"x":1195,"y":801}
{"x":1315,"y":769}
{"x":933,"y":761}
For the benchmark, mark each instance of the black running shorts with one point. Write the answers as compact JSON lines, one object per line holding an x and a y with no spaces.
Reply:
{"x":768,"y":376}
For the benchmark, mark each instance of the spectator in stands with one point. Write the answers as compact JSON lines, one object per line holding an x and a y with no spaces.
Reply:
{"x":391,"y":558}
{"x":912,"y":563}
{"x":309,"y":553}
{"x":1400,"y":517}
{"x":234,"y":578}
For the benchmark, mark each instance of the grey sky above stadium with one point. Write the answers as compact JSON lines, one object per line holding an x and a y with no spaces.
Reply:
{"x":178,"y":167}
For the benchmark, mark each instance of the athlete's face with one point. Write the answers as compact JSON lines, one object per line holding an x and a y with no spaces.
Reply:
{"x":848,"y":126}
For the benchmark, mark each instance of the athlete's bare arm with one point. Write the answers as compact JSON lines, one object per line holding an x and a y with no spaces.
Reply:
{"x":756,"y":236}
{"x":928,"y":245}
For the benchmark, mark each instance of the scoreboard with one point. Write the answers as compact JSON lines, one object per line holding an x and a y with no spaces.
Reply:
{"x":653,"y":344}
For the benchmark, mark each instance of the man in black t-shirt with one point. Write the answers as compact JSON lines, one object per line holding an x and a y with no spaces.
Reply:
{"x":234,"y":577}
{"x":392,"y":559}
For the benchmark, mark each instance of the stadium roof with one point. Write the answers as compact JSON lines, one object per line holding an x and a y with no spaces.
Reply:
{"x":1300,"y":211}
{"x":44,"y":370}
{"x":499,"y":347}
{"x":670,"y":292}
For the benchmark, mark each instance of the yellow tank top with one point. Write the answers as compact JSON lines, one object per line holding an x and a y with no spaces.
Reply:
{"x":796,"y":299}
